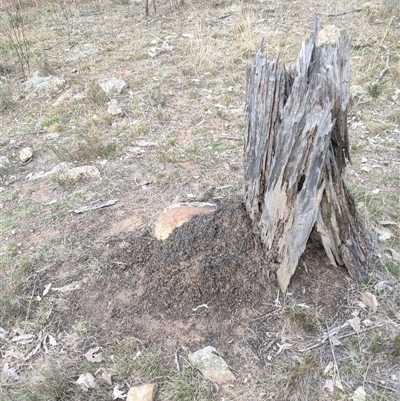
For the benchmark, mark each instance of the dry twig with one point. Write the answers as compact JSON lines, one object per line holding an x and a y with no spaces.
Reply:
{"x":340,"y":338}
{"x":384,"y":71}
{"x":336,"y":369}
{"x":354,"y":10}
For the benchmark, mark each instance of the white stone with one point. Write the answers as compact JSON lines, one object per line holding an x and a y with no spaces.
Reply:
{"x":38,"y":83}
{"x":358,"y":92}
{"x":80,"y":52}
{"x":79,"y":96}
{"x":112,"y":85}
{"x":114,"y":109}
{"x":25,"y":154}
{"x":79,"y":173}
{"x":143,"y":392}
{"x":51,"y":136}
{"x":59,"y":168}
{"x":235,"y":8}
{"x":86,"y":381}
{"x":212,"y":366}
{"x":3,"y":333}
{"x":146,"y":144}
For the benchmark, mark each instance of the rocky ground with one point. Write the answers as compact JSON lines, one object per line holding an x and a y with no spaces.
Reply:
{"x":109,"y":116}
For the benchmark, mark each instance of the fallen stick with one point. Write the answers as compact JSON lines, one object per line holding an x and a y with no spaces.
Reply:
{"x":200,"y":306}
{"x":340,"y":338}
{"x":84,"y":209}
{"x":354,"y":10}
{"x":382,"y":386}
{"x":336,"y":369}
{"x":385,"y":70}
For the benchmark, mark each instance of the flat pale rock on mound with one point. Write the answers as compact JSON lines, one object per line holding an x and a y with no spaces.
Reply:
{"x":177,"y":214}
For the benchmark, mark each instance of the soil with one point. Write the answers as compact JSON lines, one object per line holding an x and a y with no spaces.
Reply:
{"x":205,"y":285}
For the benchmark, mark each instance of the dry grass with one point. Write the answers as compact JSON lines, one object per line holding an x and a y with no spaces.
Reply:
{"x":185,"y":70}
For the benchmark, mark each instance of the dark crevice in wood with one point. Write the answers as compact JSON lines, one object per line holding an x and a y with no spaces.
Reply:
{"x":296,"y":146}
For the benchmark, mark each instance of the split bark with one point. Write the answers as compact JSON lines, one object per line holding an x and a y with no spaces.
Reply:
{"x":296,"y":146}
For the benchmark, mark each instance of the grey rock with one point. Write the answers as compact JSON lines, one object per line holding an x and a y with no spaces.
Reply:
{"x":211,"y":365}
{"x":64,"y":173}
{"x":81,"y":52}
{"x":235,"y":8}
{"x":79,"y":96}
{"x":38,"y":84}
{"x":112,"y":85}
{"x":3,"y":332}
{"x":146,"y":144}
{"x":78,"y":174}
{"x":25,"y":154}
{"x":36,"y":176}
{"x":114,"y":109}
{"x":60,"y":168}
{"x":156,"y":51}
{"x":52,"y":135}
{"x":358,"y":92}
{"x":9,"y":373}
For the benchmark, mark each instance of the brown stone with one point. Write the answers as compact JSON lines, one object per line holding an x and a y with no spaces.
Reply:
{"x":177,"y":214}
{"x":143,"y":392}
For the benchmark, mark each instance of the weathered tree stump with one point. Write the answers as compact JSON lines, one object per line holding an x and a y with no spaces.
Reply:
{"x":296,"y":146}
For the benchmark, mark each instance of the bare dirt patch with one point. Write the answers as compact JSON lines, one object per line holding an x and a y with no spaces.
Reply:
{"x":204,"y":285}
{"x":130,"y":223}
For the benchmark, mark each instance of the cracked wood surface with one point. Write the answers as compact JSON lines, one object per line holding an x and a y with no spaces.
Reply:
{"x":296,"y":146}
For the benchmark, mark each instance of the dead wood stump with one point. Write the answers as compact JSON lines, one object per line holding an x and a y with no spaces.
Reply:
{"x":296,"y":146}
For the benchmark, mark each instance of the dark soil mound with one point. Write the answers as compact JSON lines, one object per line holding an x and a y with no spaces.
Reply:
{"x":204,"y":282}
{"x":214,"y":260}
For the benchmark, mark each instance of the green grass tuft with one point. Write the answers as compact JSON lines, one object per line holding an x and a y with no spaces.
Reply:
{"x":187,"y":385}
{"x":306,"y":318}
{"x":85,"y":147}
{"x":396,"y":346}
